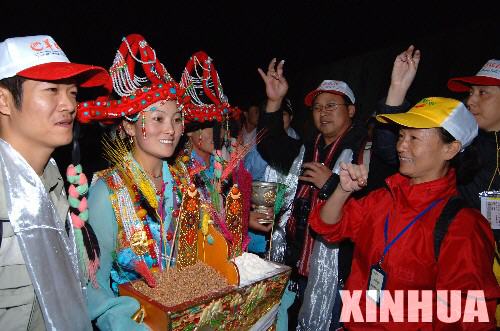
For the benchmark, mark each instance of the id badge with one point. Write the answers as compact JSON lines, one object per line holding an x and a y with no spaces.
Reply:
{"x":490,"y":207}
{"x":376,"y":283}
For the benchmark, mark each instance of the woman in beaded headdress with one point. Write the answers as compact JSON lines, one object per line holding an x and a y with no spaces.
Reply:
{"x":211,"y":170}
{"x":132,"y":203}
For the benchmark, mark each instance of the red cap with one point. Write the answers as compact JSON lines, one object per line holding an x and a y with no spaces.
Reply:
{"x":489,"y":75}
{"x":41,"y":58}
{"x":86,"y":75}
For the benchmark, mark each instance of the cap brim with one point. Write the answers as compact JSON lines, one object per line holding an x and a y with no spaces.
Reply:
{"x":409,"y":120}
{"x":462,"y":84}
{"x":311,"y":95}
{"x":86,"y":75}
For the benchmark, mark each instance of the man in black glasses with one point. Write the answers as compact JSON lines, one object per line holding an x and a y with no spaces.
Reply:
{"x":319,"y":268}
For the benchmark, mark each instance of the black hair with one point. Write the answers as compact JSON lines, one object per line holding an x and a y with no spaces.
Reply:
{"x":246,"y":106}
{"x":465,"y":162}
{"x":195,"y":126}
{"x":15,"y":86}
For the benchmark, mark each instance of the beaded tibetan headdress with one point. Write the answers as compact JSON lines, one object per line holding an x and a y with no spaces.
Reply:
{"x":209,"y":104}
{"x":136,"y":92}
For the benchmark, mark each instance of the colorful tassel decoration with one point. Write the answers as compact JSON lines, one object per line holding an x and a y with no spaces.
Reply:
{"x":86,"y":240}
{"x":142,"y":269}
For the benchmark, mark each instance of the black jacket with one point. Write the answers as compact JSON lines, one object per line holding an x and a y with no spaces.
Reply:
{"x":280,"y":150}
{"x":277,"y":148}
{"x":470,"y":186}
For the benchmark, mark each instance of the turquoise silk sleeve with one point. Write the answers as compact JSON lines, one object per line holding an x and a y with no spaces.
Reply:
{"x":109,"y":311}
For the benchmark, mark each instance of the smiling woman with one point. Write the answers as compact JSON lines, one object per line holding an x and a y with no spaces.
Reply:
{"x":424,"y":155}
{"x":394,"y":228}
{"x":156,"y":134}
{"x":132,"y":204}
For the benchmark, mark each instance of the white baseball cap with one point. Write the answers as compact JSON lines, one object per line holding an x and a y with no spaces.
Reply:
{"x":41,"y":58}
{"x":330,"y":86}
{"x":489,"y":75}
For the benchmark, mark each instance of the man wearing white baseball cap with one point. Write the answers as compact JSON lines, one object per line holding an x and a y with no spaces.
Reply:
{"x":39,"y":271}
{"x":318,"y":267}
{"x":483,"y":102}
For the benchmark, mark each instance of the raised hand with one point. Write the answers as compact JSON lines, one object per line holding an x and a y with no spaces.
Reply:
{"x":403,"y":73}
{"x":353,"y":177}
{"x":405,"y":67}
{"x":276,"y":84}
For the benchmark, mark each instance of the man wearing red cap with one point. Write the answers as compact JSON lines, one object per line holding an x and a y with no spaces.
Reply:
{"x":483,"y":102}
{"x":39,"y":270}
{"x":320,"y":266}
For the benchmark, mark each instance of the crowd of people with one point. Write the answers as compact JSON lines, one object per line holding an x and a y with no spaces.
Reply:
{"x":410,"y":204}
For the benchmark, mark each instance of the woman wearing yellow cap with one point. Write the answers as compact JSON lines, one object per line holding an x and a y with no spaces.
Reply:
{"x":393,"y":228}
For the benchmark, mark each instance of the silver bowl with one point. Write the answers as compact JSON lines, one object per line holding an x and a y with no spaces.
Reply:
{"x":263,"y":195}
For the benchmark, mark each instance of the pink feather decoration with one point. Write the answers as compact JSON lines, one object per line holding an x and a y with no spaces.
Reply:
{"x":196,"y":169}
{"x":239,"y":153}
{"x":244,"y":180}
{"x":143,"y":270}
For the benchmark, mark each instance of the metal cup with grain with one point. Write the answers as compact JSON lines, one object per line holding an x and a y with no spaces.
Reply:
{"x":263,"y":196}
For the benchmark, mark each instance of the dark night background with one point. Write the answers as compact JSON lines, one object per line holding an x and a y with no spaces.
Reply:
{"x":351,"y":40}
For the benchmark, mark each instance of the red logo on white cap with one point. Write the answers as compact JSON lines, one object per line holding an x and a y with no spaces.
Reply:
{"x":490,"y":69}
{"x":45,"y":44}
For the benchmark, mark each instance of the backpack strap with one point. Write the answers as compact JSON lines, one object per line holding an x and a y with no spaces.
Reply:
{"x":450,"y":210}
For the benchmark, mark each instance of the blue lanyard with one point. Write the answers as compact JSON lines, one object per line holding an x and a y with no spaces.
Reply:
{"x":393,"y":241}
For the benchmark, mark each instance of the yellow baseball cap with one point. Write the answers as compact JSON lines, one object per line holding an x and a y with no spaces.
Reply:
{"x":435,"y":112}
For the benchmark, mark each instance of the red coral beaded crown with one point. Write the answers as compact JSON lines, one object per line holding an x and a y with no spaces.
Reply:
{"x":201,"y":81}
{"x":136,"y":92}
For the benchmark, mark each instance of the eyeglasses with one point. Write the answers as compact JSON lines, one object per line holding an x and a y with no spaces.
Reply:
{"x":329,"y":107}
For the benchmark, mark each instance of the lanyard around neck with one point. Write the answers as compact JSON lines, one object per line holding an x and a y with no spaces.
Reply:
{"x":406,"y":228}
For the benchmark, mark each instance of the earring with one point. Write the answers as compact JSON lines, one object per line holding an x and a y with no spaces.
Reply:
{"x":143,"y":125}
{"x":200,"y":138}
{"x":131,"y":140}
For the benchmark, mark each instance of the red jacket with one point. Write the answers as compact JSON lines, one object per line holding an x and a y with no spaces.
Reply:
{"x":465,"y":260}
